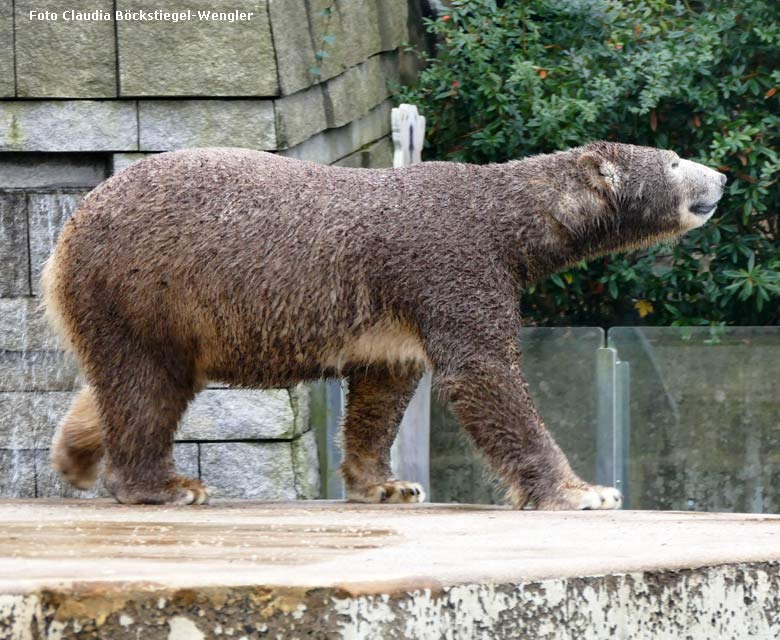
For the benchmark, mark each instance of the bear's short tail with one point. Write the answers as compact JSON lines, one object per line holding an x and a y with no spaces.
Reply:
{"x":78,"y":444}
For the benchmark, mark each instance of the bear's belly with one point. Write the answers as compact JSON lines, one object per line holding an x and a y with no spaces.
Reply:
{"x":388,"y":343}
{"x":286,"y":362}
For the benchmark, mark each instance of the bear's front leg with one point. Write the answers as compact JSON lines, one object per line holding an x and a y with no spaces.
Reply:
{"x":477,"y":364}
{"x":492,"y":402}
{"x":377,"y":398}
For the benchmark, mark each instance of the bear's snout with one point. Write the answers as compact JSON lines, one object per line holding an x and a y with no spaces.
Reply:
{"x":702,"y":189}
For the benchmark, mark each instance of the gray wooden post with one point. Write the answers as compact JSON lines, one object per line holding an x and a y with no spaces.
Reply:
{"x":334,"y":397}
{"x":410,"y":455}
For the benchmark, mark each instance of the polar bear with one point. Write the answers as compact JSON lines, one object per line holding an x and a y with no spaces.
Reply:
{"x":258,"y":270}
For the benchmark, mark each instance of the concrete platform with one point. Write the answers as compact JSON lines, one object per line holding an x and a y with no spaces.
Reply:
{"x":96,"y":569}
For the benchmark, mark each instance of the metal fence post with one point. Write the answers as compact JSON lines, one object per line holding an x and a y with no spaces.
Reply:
{"x":606,"y":360}
{"x":623,"y":430}
{"x":614,"y":411}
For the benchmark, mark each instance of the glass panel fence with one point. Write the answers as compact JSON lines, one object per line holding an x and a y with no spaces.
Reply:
{"x":703,"y":425}
{"x":677,"y":418}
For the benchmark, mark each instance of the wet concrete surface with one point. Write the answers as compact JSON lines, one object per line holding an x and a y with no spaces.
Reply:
{"x":313,"y":555}
{"x":48,"y":544}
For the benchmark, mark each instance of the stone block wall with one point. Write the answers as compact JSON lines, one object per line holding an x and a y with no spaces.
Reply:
{"x":297,"y":69}
{"x":82,"y":99}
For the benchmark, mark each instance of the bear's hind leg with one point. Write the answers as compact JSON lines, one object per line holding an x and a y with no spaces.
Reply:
{"x":78,"y":444}
{"x":141,"y":405}
{"x":377,"y":398}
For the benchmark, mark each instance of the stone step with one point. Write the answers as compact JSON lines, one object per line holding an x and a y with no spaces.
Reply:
{"x":28,"y":419}
{"x":23,"y":326}
{"x":330,"y":146}
{"x":238,"y":470}
{"x":38,"y":371}
{"x":31,"y":224}
{"x":27,"y":473}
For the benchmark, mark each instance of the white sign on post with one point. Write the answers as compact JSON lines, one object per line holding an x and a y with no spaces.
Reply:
{"x":408,"y":135}
{"x":411,"y":452}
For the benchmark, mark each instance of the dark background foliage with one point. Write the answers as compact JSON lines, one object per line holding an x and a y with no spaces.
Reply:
{"x":532,"y":76}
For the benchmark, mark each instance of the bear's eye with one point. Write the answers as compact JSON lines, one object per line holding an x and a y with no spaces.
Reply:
{"x":675,"y":164}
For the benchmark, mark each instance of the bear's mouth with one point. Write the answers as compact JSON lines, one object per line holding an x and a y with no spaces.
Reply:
{"x":703,"y":209}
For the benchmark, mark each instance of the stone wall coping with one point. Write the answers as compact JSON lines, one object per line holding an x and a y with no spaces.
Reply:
{"x":128,"y":128}
{"x":429,"y":542}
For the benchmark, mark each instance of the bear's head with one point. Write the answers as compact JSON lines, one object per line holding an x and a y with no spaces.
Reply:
{"x":632,"y":196}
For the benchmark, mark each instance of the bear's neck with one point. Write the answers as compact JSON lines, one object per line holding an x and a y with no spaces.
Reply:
{"x":531,"y":243}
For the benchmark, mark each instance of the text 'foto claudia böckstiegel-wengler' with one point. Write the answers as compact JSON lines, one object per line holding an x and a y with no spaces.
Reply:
{"x":158,"y":15}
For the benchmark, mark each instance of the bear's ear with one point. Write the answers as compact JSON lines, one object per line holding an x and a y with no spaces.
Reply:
{"x":600,"y":173}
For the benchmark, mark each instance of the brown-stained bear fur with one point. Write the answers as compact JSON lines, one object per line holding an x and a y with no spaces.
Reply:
{"x":257,"y":270}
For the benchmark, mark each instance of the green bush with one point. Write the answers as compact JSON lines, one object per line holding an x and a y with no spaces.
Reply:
{"x":532,"y":76}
